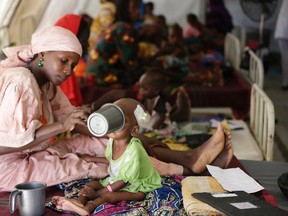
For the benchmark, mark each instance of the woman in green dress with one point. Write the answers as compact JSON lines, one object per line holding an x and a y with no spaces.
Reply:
{"x":131,"y":173}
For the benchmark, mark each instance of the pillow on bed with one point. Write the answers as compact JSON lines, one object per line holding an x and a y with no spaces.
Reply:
{"x":194,"y":184}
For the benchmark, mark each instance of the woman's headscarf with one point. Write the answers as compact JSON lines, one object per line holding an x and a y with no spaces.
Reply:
{"x":53,"y":38}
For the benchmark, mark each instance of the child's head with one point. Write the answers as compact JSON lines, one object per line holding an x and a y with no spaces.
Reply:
{"x":151,"y":83}
{"x":192,"y":18}
{"x":161,"y":20}
{"x":149,"y":7}
{"x":132,"y":109}
{"x":175,"y":33}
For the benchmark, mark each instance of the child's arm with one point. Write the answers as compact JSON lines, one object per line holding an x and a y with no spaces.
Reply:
{"x":118,"y":185}
{"x":94,"y":194}
{"x":95,"y":159}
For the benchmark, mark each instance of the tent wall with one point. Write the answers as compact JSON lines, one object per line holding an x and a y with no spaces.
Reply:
{"x":176,"y":11}
{"x":55,"y":10}
{"x":25,"y":20}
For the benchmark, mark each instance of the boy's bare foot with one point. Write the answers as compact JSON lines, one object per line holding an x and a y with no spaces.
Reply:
{"x":69,"y":205}
{"x":208,"y":151}
{"x":226,"y":155}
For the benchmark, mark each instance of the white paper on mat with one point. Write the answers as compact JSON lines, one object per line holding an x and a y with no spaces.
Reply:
{"x":234,"y":179}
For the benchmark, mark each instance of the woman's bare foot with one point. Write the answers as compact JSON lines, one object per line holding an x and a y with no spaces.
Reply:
{"x":69,"y":205}
{"x":208,"y":151}
{"x":226,"y":155}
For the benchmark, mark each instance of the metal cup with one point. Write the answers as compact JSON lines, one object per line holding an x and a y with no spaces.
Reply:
{"x":30,"y":198}
{"x":109,"y":118}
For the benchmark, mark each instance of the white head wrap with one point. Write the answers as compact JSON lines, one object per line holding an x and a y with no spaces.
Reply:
{"x":53,"y":38}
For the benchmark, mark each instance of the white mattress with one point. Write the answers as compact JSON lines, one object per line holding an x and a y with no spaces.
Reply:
{"x":245,"y":146}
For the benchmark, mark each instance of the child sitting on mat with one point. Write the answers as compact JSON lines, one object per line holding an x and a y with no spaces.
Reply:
{"x":131,"y":173}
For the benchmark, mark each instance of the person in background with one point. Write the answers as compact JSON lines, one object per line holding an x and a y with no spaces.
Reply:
{"x":81,"y":28}
{"x":88,"y":18}
{"x":281,"y":35}
{"x":218,"y":18}
{"x":193,"y":28}
{"x":149,"y":17}
{"x":131,"y":173}
{"x":151,"y":85}
{"x":162,"y":24}
{"x":105,"y":16}
{"x":174,"y":56}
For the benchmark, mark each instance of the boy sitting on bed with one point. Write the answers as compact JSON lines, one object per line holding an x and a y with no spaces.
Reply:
{"x":151,"y":85}
{"x":131,"y":173}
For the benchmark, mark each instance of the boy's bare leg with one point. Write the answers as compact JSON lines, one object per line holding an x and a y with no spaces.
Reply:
{"x":196,"y":159}
{"x":222,"y":160}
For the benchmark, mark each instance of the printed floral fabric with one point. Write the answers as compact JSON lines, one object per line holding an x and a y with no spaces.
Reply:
{"x":114,"y":57}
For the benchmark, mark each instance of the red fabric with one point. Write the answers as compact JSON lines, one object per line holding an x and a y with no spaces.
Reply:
{"x":71,"y":89}
{"x":70,"y":86}
{"x":252,"y":44}
{"x":70,"y":22}
{"x":80,"y":69}
{"x":269,"y":198}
